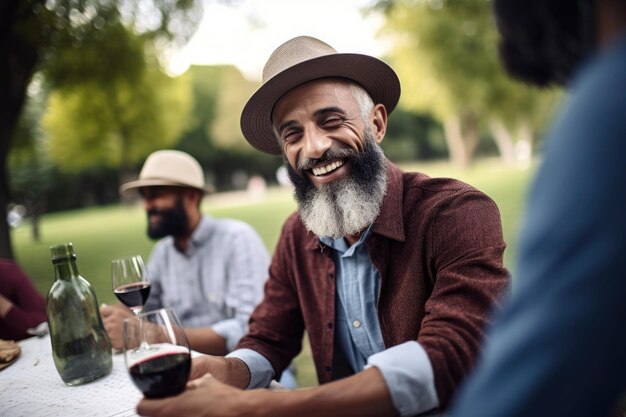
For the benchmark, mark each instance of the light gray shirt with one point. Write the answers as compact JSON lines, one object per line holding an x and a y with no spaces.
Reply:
{"x":216,"y":282}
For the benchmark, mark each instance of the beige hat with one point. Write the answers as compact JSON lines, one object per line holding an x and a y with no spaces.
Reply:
{"x":169,"y":167}
{"x":304,"y":59}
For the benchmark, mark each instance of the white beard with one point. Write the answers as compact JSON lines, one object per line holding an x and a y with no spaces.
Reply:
{"x":344,"y":208}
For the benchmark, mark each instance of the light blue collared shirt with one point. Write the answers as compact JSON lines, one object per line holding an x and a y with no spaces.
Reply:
{"x":216,"y":282}
{"x":406,"y":368}
{"x":358,"y":286}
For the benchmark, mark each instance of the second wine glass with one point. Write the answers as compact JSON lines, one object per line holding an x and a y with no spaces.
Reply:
{"x":130,"y":281}
{"x":157,"y":353}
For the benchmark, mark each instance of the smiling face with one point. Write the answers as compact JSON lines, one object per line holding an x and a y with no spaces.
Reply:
{"x":329,"y":131}
{"x":325,"y":115}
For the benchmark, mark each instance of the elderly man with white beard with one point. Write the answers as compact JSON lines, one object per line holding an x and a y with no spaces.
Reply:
{"x":392,"y":275}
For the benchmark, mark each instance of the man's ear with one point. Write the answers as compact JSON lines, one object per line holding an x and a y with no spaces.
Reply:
{"x":378,"y":122}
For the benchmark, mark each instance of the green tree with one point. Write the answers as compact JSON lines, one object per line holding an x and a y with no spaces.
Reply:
{"x":446,"y":55}
{"x":29,"y":165}
{"x":220,"y":92}
{"x":214,"y":136}
{"x":117,"y":124}
{"x":39,"y":35}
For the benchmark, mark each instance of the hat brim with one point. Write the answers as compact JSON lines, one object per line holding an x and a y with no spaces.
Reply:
{"x":378,"y":79}
{"x":133,"y":185}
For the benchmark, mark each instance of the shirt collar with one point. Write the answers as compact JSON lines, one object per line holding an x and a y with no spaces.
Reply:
{"x":342,"y":246}
{"x":201,"y":234}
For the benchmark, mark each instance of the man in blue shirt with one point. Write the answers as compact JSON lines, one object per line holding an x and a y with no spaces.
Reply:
{"x":210,"y":271}
{"x":559,"y":348}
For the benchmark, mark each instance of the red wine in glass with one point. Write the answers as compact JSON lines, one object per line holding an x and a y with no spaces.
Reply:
{"x":133,"y":295}
{"x":130,"y":282}
{"x":162,"y":372}
{"x":157,"y":353}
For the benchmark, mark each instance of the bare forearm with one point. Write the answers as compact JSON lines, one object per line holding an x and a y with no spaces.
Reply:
{"x":362,"y":395}
{"x":5,"y":306}
{"x":231,"y":371}
{"x":206,"y":340}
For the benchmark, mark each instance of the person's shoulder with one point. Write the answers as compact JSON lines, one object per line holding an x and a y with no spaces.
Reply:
{"x":10,"y":271}
{"x":293,"y":223}
{"x":428,"y":196}
{"x":429,"y":186}
{"x":294,"y":227}
{"x":294,"y":234}
{"x":230,"y":226}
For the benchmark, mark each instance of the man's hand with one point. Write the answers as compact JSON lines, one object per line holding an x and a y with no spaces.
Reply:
{"x":204,"y":397}
{"x":113,"y":318}
{"x":231,"y":371}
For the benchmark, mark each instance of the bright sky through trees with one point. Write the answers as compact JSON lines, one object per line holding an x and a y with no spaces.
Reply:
{"x":246,"y":33}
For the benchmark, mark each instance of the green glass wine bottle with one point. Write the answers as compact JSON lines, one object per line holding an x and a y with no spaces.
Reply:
{"x":80,"y":346}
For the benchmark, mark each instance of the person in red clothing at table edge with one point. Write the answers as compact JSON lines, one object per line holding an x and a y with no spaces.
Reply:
{"x":21,"y":306}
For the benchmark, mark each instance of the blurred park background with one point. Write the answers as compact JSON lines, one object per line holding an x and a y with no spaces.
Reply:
{"x":86,"y":93}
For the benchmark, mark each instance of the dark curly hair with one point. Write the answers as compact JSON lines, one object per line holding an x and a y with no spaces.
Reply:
{"x":543,"y":41}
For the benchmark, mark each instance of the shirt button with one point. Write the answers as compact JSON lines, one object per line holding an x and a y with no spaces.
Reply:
{"x":356,"y":324}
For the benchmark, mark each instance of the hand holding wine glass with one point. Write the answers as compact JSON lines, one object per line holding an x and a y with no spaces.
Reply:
{"x":157,"y":353}
{"x":130,"y":282}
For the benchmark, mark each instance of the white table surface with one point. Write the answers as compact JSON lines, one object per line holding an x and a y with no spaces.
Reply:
{"x":31,"y":386}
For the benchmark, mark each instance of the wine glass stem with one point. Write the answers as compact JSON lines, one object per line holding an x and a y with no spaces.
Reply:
{"x":144,"y":345}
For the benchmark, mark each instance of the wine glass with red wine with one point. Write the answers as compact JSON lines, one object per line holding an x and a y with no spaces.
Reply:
{"x":130,"y":282}
{"x":157,"y":353}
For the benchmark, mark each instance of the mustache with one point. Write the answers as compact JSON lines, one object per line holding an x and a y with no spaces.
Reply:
{"x":333,"y":153}
{"x":151,"y":212}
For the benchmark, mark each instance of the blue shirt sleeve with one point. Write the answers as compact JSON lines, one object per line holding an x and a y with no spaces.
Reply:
{"x":409,"y":377}
{"x":261,"y":371}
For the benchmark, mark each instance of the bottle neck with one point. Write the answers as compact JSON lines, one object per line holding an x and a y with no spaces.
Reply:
{"x":65,"y":269}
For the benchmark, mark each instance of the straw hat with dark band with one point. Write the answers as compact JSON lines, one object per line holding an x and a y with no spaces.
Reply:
{"x":169,"y":168}
{"x":304,"y":59}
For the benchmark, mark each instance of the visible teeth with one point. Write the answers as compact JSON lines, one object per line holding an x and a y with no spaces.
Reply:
{"x":326,"y":168}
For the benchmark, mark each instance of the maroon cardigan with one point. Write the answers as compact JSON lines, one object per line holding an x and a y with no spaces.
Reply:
{"x":438,"y":247}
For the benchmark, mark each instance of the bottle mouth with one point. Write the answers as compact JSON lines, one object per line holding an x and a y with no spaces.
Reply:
{"x":62,"y":252}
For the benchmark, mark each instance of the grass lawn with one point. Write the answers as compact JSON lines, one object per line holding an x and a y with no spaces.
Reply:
{"x":103,"y":233}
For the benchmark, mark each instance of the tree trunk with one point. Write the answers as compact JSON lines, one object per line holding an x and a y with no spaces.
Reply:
{"x":18,"y":58}
{"x":524,"y":144}
{"x":455,"y":142}
{"x":6,"y":249}
{"x":36,"y":209}
{"x":34,"y":221}
{"x":504,"y":141}
{"x":472,"y":136}
{"x":462,"y":136}
{"x":125,"y":173}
